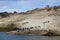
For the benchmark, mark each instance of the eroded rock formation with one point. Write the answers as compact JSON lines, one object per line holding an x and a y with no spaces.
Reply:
{"x":42,"y":21}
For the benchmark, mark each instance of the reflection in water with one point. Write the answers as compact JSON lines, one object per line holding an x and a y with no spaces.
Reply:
{"x":4,"y":36}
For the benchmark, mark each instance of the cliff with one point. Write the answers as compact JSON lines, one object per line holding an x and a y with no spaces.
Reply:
{"x":37,"y":21}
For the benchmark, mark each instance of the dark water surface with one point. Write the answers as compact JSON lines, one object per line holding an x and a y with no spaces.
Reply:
{"x":4,"y":36}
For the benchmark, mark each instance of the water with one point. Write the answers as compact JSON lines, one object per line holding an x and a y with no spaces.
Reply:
{"x":4,"y":36}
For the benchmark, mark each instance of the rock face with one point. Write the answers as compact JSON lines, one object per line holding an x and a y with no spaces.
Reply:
{"x":48,"y":24}
{"x":37,"y":21}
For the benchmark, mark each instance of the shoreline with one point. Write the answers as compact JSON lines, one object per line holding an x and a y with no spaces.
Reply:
{"x":40,"y":33}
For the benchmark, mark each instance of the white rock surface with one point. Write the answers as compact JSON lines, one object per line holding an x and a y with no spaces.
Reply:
{"x":47,"y":23}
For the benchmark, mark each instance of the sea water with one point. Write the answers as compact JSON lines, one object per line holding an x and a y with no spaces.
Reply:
{"x":4,"y":36}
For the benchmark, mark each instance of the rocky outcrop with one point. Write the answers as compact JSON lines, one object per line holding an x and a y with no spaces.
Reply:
{"x":40,"y":21}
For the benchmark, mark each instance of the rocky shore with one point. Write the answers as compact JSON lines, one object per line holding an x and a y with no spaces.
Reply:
{"x":39,"y":21}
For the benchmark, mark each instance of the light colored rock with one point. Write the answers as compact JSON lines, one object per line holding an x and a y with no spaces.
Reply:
{"x":50,"y":24}
{"x":39,"y":19}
